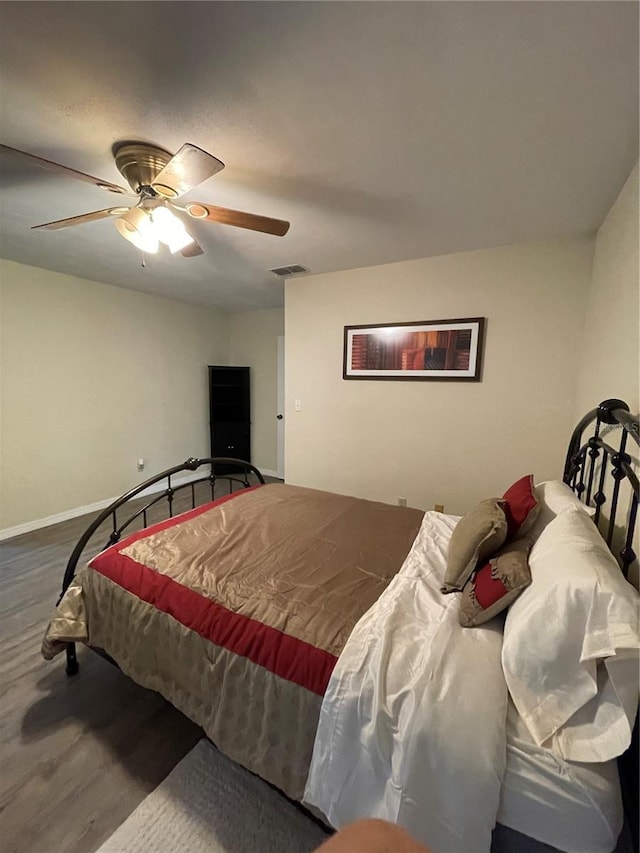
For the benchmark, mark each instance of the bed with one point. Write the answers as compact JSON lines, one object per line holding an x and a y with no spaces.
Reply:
{"x":307,"y":634}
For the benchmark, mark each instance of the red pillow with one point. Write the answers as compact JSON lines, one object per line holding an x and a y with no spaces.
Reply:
{"x":495,"y":585}
{"x":488,"y":589}
{"x":521,"y":508}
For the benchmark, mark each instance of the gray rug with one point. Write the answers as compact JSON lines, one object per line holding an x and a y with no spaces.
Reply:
{"x":208,"y":803}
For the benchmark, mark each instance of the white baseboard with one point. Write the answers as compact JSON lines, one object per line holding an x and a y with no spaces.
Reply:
{"x":36,"y":524}
{"x":269,"y":473}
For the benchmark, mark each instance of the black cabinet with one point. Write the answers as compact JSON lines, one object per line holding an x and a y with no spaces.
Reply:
{"x":230,"y":412}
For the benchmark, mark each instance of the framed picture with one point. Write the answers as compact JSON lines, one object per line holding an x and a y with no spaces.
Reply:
{"x":430,"y":349}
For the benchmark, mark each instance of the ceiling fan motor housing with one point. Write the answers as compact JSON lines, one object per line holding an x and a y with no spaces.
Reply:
{"x":139,"y":164}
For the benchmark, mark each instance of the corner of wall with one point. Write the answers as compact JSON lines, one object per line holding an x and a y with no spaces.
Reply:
{"x":609,"y":357}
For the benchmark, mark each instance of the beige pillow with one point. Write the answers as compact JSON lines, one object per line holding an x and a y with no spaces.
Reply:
{"x":477,"y":535}
{"x":496,"y":584}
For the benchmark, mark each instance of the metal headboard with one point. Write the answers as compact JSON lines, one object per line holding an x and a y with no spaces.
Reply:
{"x":596,"y":468}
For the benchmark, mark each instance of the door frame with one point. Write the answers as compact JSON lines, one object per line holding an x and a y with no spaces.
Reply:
{"x":280,"y":424}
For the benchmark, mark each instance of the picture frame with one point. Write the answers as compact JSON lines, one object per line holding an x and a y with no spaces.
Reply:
{"x":449,"y":350}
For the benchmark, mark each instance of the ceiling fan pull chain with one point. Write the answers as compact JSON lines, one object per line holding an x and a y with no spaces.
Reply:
{"x":143,"y":264}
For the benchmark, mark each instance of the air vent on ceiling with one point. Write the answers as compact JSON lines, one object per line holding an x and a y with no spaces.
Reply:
{"x":290,"y":270}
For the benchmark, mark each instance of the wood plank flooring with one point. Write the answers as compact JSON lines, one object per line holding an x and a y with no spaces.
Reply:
{"x":78,"y":754}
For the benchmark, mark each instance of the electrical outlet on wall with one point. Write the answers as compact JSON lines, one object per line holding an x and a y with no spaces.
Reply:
{"x":402,"y":501}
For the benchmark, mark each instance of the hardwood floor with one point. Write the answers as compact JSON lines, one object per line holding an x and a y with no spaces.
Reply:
{"x":78,"y":754}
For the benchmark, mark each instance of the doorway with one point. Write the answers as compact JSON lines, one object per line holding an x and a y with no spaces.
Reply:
{"x":280,"y":408}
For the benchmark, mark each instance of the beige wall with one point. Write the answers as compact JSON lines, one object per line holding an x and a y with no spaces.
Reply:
{"x":253,"y":342}
{"x":94,"y":377}
{"x":438,"y":442}
{"x":609,"y":364}
{"x":609,"y":358}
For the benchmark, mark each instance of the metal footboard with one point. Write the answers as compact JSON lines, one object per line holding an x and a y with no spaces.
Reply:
{"x":235,"y":472}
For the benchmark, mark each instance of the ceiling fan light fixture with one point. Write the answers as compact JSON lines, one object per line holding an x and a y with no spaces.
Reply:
{"x":136,"y":227}
{"x":170,"y":230}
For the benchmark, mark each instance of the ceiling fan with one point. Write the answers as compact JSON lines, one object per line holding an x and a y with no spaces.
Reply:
{"x":158,"y":179}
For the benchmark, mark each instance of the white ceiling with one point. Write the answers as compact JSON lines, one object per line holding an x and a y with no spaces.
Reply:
{"x":381,"y":131}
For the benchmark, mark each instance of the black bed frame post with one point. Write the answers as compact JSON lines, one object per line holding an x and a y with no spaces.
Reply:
{"x":170,"y":493}
{"x":72,"y":666}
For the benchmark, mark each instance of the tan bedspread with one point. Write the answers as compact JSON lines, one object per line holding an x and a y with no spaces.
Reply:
{"x":236,"y":612}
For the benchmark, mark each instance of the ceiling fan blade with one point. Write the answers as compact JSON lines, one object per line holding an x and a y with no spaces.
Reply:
{"x":74,"y":173}
{"x":79,"y":220}
{"x":192,"y":250}
{"x":186,"y":169}
{"x":200,"y":210}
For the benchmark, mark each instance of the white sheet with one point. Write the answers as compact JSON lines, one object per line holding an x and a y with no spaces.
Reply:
{"x":412,"y":727}
{"x":574,"y":807}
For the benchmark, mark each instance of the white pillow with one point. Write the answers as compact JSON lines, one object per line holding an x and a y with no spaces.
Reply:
{"x":555,"y":497}
{"x":570,"y":651}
